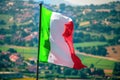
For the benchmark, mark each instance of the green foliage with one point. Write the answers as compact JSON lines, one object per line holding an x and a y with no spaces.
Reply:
{"x":62,"y":6}
{"x":2,"y":22}
{"x":4,"y":31}
{"x":0,"y":51}
{"x":99,"y":72}
{"x":116,"y":70}
{"x":8,"y":39}
{"x":28,"y":52}
{"x":92,"y":66}
{"x":116,"y":25}
{"x":95,"y":48}
{"x":91,"y":38}
{"x":11,"y":50}
{"x":90,"y":44}
{"x":67,"y":71}
{"x":95,"y":32}
{"x":5,"y":21}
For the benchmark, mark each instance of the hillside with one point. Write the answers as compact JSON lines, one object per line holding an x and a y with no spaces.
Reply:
{"x":96,"y":40}
{"x":96,"y":26}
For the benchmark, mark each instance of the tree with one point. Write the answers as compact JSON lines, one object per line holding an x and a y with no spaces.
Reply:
{"x":74,"y":72}
{"x":58,"y":69}
{"x":4,"y":62}
{"x":82,"y":74}
{"x":116,"y":70}
{"x":100,"y":72}
{"x":50,"y":66}
{"x":92,"y":66}
{"x":67,"y":71}
{"x":101,"y":51}
{"x":2,"y":22}
{"x":62,"y":7}
{"x":13,"y":28}
{"x":12,"y":50}
{"x":2,"y":1}
{"x":3,"y":31}
{"x":0,"y":51}
{"x":8,"y":39}
{"x":2,"y":42}
{"x":88,"y":71}
{"x":102,"y":38}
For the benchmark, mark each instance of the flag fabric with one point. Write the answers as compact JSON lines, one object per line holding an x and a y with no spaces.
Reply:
{"x":56,"y":45}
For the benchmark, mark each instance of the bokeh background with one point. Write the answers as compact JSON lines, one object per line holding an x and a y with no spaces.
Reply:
{"x":96,"y":39}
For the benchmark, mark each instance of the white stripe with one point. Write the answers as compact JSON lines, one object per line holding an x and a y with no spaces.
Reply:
{"x":60,"y":53}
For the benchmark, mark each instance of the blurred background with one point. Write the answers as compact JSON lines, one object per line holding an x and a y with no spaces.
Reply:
{"x":96,"y":39}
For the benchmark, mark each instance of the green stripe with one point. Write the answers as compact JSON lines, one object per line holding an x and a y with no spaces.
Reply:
{"x":45,"y":34}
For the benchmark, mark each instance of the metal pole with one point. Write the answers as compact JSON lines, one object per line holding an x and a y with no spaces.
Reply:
{"x":37,"y":74}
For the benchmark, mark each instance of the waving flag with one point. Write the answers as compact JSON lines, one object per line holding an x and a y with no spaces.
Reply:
{"x":56,"y":45}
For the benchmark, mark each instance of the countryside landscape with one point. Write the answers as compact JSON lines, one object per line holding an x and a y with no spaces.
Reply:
{"x":96,"y":41}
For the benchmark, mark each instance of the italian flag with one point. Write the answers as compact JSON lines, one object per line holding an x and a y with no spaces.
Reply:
{"x":56,"y":45}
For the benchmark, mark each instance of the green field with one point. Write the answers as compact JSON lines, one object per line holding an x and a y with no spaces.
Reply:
{"x":28,"y":52}
{"x":6,"y":19}
{"x":117,"y":25}
{"x":25,"y":23}
{"x":98,"y":62}
{"x":25,"y":79}
{"x":89,"y":44}
{"x":107,"y":36}
{"x":29,"y":79}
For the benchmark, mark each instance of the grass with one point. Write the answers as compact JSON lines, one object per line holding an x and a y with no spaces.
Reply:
{"x":97,"y":62}
{"x":25,"y":23}
{"x":28,"y":52}
{"x":29,"y":79}
{"x":116,"y":25}
{"x":107,"y":36}
{"x":89,"y":44}
{"x":25,"y":51}
{"x":26,"y":79}
{"x":6,"y":18}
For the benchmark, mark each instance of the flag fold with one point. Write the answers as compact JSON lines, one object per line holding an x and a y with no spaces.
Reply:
{"x":56,"y":44}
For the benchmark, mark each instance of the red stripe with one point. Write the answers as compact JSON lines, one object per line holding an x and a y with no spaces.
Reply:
{"x":68,"y":38}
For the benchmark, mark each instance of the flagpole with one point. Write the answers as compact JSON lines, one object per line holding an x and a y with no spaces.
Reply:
{"x":37,"y":74}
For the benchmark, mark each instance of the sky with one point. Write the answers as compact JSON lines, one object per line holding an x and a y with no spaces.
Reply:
{"x":79,"y":2}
